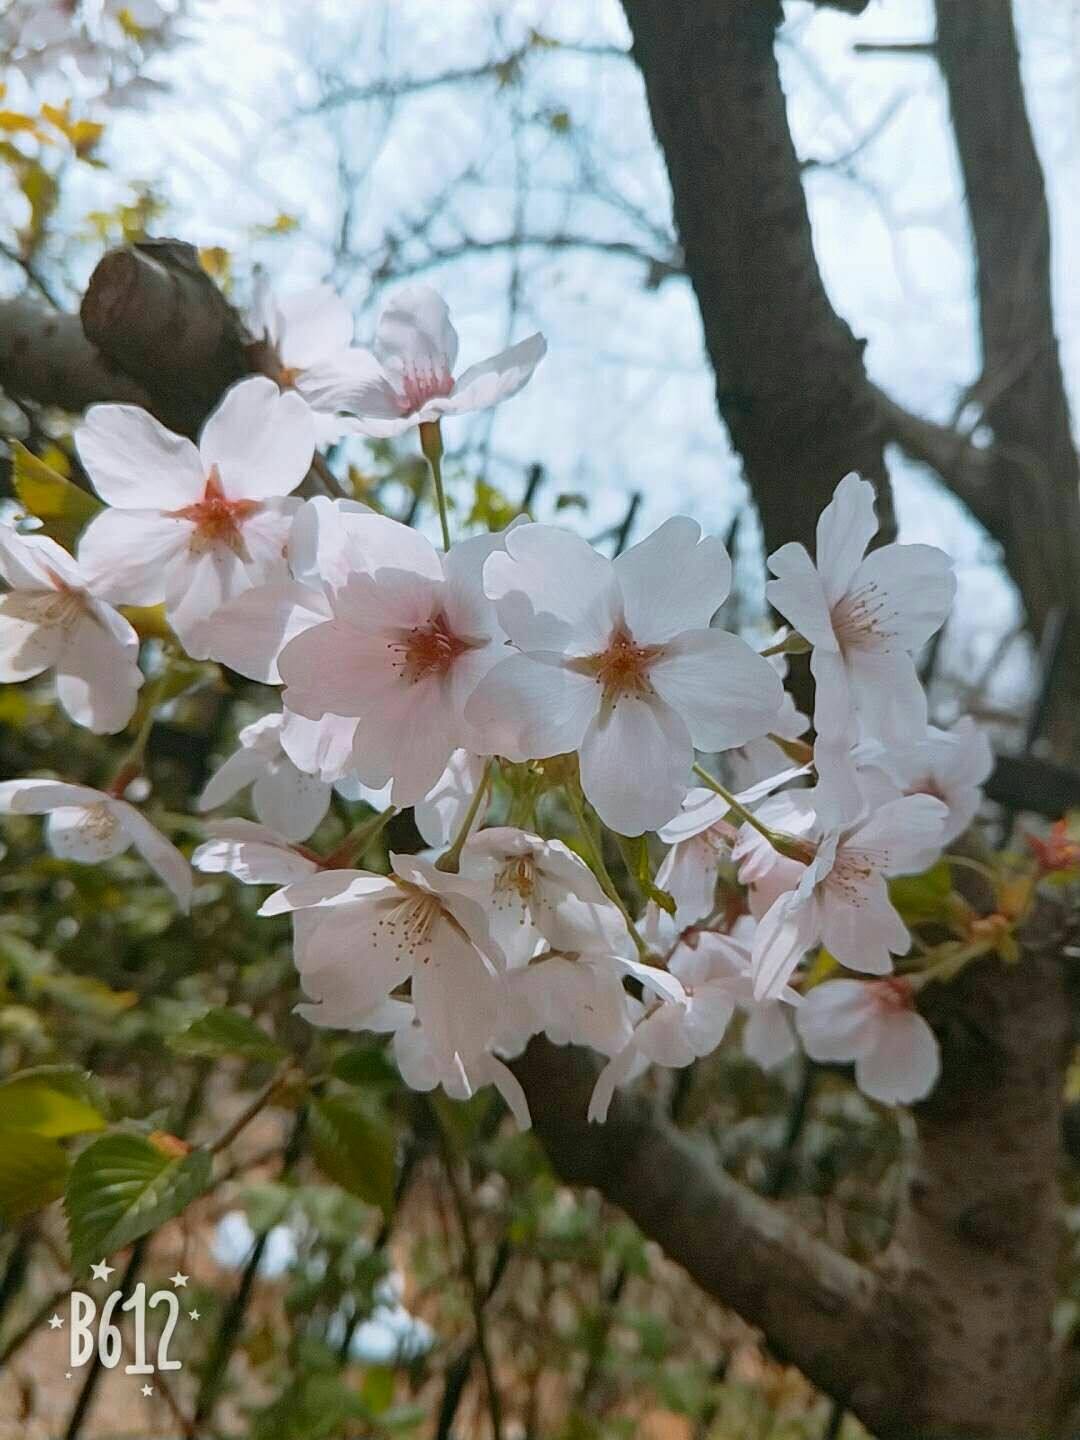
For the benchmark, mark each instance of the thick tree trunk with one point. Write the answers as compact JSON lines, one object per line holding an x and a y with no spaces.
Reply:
{"x":1021,"y":389}
{"x":790,"y":381}
{"x":971,"y":1264}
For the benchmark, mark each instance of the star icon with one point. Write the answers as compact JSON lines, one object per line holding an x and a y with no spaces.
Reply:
{"x":147,"y":1391}
{"x":178,"y":1280}
{"x":101,"y":1271}
{"x":55,"y":1323}
{"x":194,"y":1314}
{"x":67,"y":1374}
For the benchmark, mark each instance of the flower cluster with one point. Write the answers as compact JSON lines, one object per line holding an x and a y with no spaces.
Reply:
{"x":511,"y":688}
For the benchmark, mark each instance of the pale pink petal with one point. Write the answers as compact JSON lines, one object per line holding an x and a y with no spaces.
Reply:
{"x":456,"y":998}
{"x":353,"y":380}
{"x":27,"y":560}
{"x":290,"y":802}
{"x":837,"y":1020}
{"x":135,"y":463}
{"x":238,"y":771}
{"x":860,"y":927}
{"x":252,"y":853}
{"x":912,"y":588}
{"x":409,"y":735}
{"x":553,"y":591}
{"x":672,"y":581}
{"x":440,"y":814}
{"x":527,"y":710}
{"x":799,"y":595}
{"x":38,"y":797}
{"x":888,"y":694}
{"x":87,"y":834}
{"x":320,"y":551}
{"x":125,"y":554}
{"x":320,"y":747}
{"x":688,"y":873}
{"x":249,"y":633}
{"x":329,"y":890}
{"x":903,"y":1064}
{"x":726,"y":692}
{"x":618,"y":1071}
{"x":97,"y":673}
{"x":198,"y":583}
{"x":414,"y":333}
{"x":897,"y":833}
{"x":784,"y":934}
{"x":635,"y":759}
{"x":844,"y":530}
{"x":497,"y":379}
{"x":260,"y":440}
{"x":327,"y":669}
{"x":767,"y":1037}
{"x":487,"y":1069}
{"x":160,"y":854}
{"x":27,"y":646}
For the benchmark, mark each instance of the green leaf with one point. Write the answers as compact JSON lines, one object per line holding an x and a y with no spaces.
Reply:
{"x":51,"y":1102}
{"x":32,"y":1173}
{"x":366,"y":1066}
{"x":123,"y":1186}
{"x":63,"y":508}
{"x":313,"y":1407}
{"x":226,"y":1032}
{"x":355,"y":1146}
{"x":920,"y":898}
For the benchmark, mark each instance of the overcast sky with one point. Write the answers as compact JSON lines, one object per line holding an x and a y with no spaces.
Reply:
{"x":625,"y":399}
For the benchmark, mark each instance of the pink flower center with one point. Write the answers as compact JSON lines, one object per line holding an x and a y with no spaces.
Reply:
{"x":428,"y":650}
{"x":421,"y":384}
{"x":623,"y":668}
{"x":216,"y":518}
{"x":859,"y":618}
{"x":927,"y":786}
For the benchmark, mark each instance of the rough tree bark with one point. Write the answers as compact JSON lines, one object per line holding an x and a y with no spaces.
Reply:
{"x":1036,"y":477}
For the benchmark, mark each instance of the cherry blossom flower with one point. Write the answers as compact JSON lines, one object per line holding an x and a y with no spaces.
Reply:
{"x":50,"y":619}
{"x":951,"y":765}
{"x":409,"y":640}
{"x":768,"y":1038}
{"x":538,"y":890}
{"x":253,"y":854}
{"x":875,"y":1024}
{"x":194,"y":526}
{"x":89,"y":826}
{"x":616,"y":661}
{"x":572,"y":999}
{"x":701,"y":837}
{"x":305,"y":332}
{"x":864,"y":615}
{"x":687,"y":1011}
{"x":409,"y":378}
{"x":358,"y":937}
{"x":421,"y":1070}
{"x":841,"y":899}
{"x":284,"y":798}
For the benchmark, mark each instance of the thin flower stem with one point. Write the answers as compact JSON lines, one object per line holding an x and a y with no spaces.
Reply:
{"x":132,"y":764}
{"x":951,"y":965}
{"x":596,"y":855}
{"x":432,"y":446}
{"x":967,"y":863}
{"x":736,"y":806}
{"x":450,"y":862}
{"x":244,"y":1119}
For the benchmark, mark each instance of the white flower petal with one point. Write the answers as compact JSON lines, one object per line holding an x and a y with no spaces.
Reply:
{"x":290,"y":802}
{"x":97,"y":673}
{"x":799,"y":595}
{"x":914,"y":586}
{"x":88,"y":834}
{"x":414,"y":333}
{"x":635,"y":759}
{"x":527,"y":710}
{"x":260,"y":440}
{"x":497,"y":379}
{"x":320,"y":747}
{"x":125,"y":554}
{"x":553,"y":591}
{"x":252,"y":853}
{"x":844,"y":530}
{"x":672,"y":581}
{"x":135,"y":463}
{"x":726,"y":692}
{"x":160,"y":854}
{"x":837,"y":1020}
{"x":312,"y":326}
{"x":767,"y":1037}
{"x":904,"y":1063}
{"x":249,"y":632}
{"x":27,"y":646}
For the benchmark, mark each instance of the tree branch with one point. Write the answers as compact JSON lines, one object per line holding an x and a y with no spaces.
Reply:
{"x":817,"y":1309}
{"x":46,"y":358}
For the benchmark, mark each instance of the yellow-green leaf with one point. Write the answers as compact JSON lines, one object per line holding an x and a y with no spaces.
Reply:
{"x":32,"y":1173}
{"x":226,"y":1032}
{"x":62,"y":507}
{"x":51,"y":1102}
{"x":355,"y":1146}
